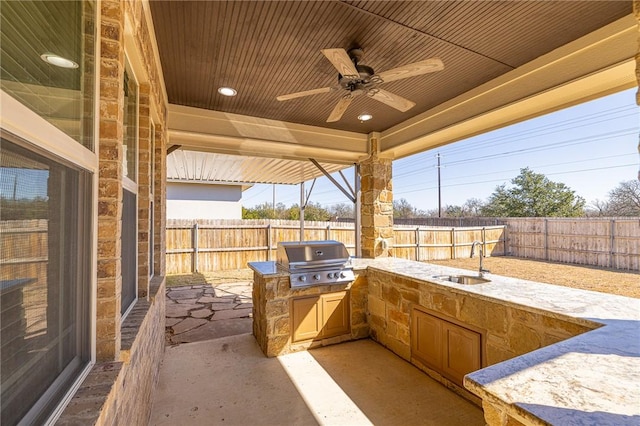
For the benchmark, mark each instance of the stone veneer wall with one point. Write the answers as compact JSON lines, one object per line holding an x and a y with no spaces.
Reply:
{"x":119,"y":388}
{"x":509,"y":331}
{"x":272,"y":322}
{"x":377,"y":202}
{"x":636,"y":11}
{"x":121,"y":392}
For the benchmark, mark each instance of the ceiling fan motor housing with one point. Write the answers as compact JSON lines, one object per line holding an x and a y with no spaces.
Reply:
{"x":363,"y":82}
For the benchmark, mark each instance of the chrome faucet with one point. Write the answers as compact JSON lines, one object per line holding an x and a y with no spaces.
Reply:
{"x":481,"y":270}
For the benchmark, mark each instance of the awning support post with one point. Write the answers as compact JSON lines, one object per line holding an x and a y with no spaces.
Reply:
{"x":357,"y":208}
{"x":304,"y":200}
{"x":352,"y":194}
{"x":303,"y":204}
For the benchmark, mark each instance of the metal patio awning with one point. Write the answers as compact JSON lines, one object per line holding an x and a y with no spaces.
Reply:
{"x":207,"y":167}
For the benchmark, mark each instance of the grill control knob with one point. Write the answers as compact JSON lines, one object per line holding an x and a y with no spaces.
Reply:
{"x":330,"y":275}
{"x":342,"y":275}
{"x":302,"y":278}
{"x":316,"y":277}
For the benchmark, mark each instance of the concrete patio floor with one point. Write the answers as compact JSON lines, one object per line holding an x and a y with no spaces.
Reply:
{"x":229,"y":381}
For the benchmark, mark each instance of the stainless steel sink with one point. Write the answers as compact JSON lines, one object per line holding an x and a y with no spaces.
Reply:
{"x":464,"y":279}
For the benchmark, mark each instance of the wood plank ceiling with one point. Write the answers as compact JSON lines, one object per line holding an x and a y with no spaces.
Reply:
{"x":267,"y":48}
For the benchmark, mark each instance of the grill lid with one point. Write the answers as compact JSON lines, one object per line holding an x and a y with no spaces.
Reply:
{"x":311,"y":254}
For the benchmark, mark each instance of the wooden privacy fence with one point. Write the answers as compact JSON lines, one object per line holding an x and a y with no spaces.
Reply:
{"x":605,"y":242}
{"x":213,"y":245}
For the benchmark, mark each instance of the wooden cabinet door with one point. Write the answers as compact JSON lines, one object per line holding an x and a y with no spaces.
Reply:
{"x":461,"y":351}
{"x":335,"y":314}
{"x":306,"y":319}
{"x":426,"y":339}
{"x":321,"y":316}
{"x":448,"y":348}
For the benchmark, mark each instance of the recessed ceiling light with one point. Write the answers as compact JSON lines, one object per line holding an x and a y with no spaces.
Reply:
{"x":58,"y":61}
{"x":227,"y":91}
{"x":365,"y":117}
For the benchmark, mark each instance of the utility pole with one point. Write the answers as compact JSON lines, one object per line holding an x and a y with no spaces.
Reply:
{"x":273,"y":205}
{"x":439,"y":188}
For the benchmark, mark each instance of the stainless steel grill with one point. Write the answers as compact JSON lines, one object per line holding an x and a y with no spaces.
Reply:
{"x":315,"y":262}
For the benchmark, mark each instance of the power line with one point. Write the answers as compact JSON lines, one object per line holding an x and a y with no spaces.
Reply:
{"x":553,"y":145}
{"x":539,"y":166}
{"x":461,"y":146}
{"x":502,"y":180}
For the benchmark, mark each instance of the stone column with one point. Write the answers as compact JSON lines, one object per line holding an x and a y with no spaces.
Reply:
{"x":377,"y":202}
{"x":636,"y":12}
{"x":110,"y":150}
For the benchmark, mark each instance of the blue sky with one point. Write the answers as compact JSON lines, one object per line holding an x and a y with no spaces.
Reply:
{"x":590,"y":147}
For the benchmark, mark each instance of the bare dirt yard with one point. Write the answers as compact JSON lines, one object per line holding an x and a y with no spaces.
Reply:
{"x":613,"y":281}
{"x":219,"y":277}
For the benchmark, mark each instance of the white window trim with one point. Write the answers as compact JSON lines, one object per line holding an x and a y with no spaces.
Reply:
{"x":24,"y":123}
{"x":131,"y":185}
{"x":29,"y":126}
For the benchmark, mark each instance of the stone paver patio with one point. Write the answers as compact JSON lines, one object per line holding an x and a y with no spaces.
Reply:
{"x":202,"y":312}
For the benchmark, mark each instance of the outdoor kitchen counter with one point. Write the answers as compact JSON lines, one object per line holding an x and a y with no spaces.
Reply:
{"x":267,"y":269}
{"x":590,"y":379}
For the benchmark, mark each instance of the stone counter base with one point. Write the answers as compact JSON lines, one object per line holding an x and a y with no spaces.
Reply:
{"x":272,"y":297}
{"x":497,"y":417}
{"x":507,"y":331}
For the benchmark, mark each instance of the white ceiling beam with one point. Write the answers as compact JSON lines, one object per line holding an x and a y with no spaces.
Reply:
{"x":213,"y":131}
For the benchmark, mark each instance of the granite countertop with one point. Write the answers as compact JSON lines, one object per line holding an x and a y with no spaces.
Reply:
{"x":267,"y":269}
{"x":590,"y":379}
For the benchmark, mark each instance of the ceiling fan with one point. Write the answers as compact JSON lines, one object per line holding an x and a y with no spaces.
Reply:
{"x":357,"y":79}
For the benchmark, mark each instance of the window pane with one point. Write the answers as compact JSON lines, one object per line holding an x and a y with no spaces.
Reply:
{"x":44,"y":296}
{"x":130,"y":127}
{"x":61,"y":95}
{"x":129,"y":250}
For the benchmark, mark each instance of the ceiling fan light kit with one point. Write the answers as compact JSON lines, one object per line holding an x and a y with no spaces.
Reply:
{"x":359,"y":79}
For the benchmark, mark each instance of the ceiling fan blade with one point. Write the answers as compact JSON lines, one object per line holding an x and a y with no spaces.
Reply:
{"x":305,"y":93}
{"x":339,"y":109}
{"x":412,"y":70}
{"x":341,"y":61}
{"x":394,"y":101}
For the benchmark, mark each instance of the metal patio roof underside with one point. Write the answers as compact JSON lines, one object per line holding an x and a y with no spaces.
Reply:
{"x":205,"y":167}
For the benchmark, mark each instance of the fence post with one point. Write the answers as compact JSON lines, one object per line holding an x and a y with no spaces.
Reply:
{"x":484,"y":242}
{"x":194,"y":241}
{"x":505,"y":237}
{"x":418,"y":244}
{"x":328,"y":232}
{"x":546,"y":239}
{"x":268,"y":241}
{"x":612,"y":243}
{"x":453,"y":243}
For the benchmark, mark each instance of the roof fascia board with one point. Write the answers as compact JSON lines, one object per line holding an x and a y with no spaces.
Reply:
{"x":536,"y":88}
{"x":244,"y":185}
{"x":214,"y":131}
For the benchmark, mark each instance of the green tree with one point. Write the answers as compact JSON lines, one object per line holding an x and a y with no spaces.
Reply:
{"x":265,"y":211}
{"x":313,"y":211}
{"x":534,"y":195}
